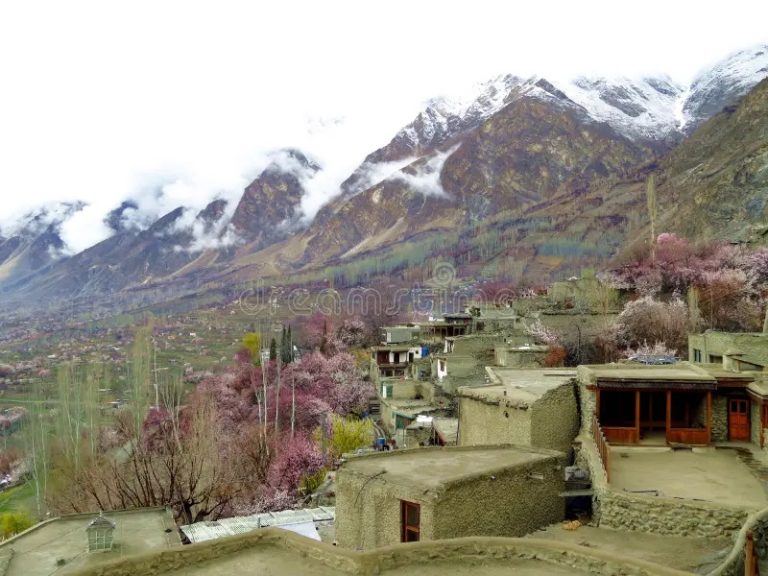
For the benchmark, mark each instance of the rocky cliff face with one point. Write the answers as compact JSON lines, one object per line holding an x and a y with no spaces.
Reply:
{"x":716,"y":182}
{"x":270,"y":208}
{"x":526,"y":153}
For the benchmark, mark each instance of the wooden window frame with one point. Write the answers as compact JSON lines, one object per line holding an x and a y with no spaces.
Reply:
{"x":405,"y":528}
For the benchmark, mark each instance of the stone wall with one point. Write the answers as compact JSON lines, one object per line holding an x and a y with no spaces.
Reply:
{"x":556,"y":419}
{"x":552,"y":421}
{"x":510,"y":357}
{"x":476,"y":344}
{"x":755,"y":423}
{"x":511,"y":502}
{"x":319,"y":558}
{"x":514,"y":502}
{"x":667,"y":516}
{"x":368,"y":511}
{"x":719,"y":418}
{"x":486,"y":422}
{"x":733,"y":565}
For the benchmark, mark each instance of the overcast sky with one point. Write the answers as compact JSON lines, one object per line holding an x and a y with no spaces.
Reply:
{"x":102,"y":101}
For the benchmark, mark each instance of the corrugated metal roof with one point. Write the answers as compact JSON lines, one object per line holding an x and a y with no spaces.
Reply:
{"x":295,"y":520}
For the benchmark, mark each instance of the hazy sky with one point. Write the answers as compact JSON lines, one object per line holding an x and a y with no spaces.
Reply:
{"x":105,"y":100}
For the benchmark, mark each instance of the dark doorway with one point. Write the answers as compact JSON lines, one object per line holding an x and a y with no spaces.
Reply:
{"x":410,"y":519}
{"x":653,"y":413}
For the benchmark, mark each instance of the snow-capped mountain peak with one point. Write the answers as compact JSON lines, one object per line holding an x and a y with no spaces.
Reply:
{"x":723,"y":83}
{"x":638,"y":108}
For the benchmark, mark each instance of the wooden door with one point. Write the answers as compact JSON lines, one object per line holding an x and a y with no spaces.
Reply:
{"x":738,"y":419}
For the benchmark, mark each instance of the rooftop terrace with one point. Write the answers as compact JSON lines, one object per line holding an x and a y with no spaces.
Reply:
{"x":433,"y":467}
{"x":719,"y":475}
{"x":637,"y":374}
{"x":522,"y":386}
{"x":38,"y":551}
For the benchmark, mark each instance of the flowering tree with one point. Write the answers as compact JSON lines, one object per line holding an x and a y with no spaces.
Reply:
{"x":541,"y":334}
{"x":650,"y":320}
{"x":730,"y":282}
{"x":299,"y":458}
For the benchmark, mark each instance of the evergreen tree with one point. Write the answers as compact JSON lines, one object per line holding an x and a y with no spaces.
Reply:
{"x":272,"y":349}
{"x":286,"y":346}
{"x":651,"y":198}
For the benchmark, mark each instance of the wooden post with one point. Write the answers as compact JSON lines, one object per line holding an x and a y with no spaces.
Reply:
{"x":637,"y":415}
{"x":709,"y":416}
{"x":597,"y":403}
{"x":750,"y":560}
{"x":669,"y":414}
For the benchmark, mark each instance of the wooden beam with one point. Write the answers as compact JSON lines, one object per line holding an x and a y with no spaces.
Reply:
{"x":709,"y":417}
{"x":669,"y":414}
{"x":637,"y":414}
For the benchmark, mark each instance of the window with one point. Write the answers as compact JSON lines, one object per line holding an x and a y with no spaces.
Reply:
{"x":713,"y":359}
{"x":410,"y":517}
{"x":696,"y":355}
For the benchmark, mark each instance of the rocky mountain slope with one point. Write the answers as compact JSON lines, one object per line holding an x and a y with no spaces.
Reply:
{"x":715,"y":184}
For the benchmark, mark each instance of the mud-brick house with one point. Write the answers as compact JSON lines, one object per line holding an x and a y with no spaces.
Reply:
{"x":680,"y":403}
{"x":535,"y":408}
{"x":438,"y":493}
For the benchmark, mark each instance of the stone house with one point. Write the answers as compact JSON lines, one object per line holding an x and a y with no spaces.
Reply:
{"x":450,"y":371}
{"x":681,"y":403}
{"x":395,"y":360}
{"x":535,"y":408}
{"x":397,"y":415}
{"x":399,"y":334}
{"x":432,"y":431}
{"x":740,"y":352}
{"x":456,"y":324}
{"x":440,"y":493}
{"x":521,"y":356}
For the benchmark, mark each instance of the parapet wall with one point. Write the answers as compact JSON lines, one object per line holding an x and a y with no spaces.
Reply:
{"x":464,"y":551}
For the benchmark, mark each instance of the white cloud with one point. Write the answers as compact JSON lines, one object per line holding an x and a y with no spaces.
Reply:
{"x":426,"y":177}
{"x":105,"y":101}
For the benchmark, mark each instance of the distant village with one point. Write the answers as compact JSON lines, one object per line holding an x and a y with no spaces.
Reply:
{"x":488,"y":452}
